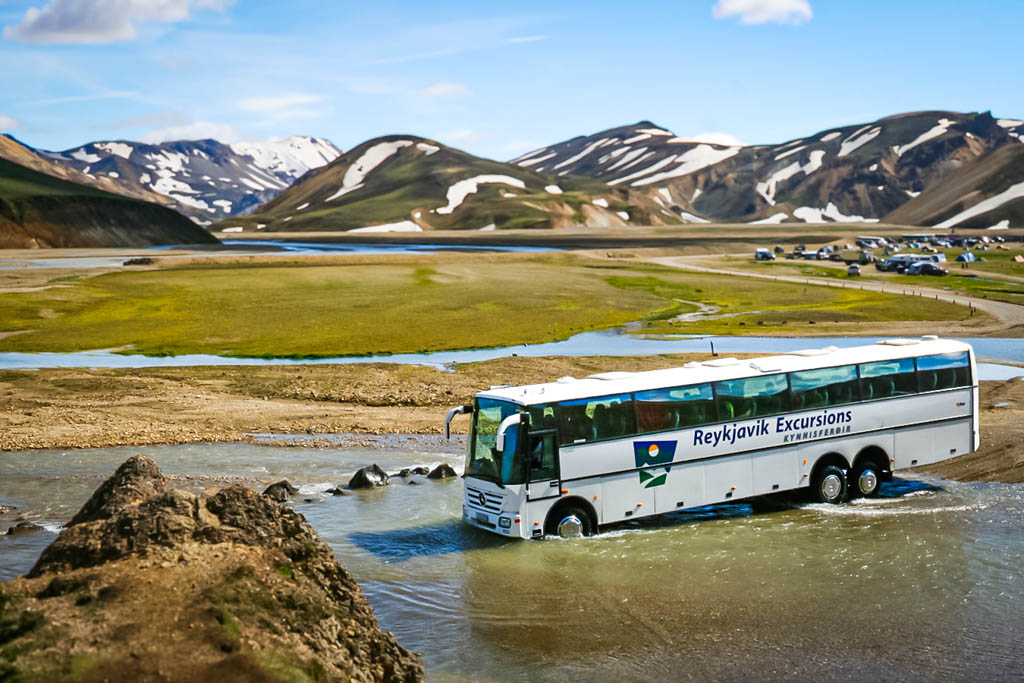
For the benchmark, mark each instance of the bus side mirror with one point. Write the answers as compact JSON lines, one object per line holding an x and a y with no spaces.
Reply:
{"x":451,"y":414}
{"x":505,"y":425}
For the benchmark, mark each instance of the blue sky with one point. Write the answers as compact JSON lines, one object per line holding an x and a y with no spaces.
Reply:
{"x":496,"y":79}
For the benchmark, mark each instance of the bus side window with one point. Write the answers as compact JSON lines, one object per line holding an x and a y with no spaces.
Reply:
{"x":888,"y":378}
{"x":752,"y":397}
{"x":824,"y":387}
{"x":943,"y":371}
{"x":675,"y":408}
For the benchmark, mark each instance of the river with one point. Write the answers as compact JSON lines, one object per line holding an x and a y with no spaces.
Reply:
{"x":924,"y":583}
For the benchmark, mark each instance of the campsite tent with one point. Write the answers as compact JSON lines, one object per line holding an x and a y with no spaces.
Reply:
{"x":967,"y":256}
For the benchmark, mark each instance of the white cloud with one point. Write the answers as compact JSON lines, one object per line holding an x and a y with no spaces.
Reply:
{"x":715,"y":138}
{"x":108,"y":95}
{"x":445,"y":90}
{"x":523,"y":39}
{"x":764,"y":11}
{"x":278,"y":103}
{"x":8,"y":123}
{"x":200,"y":130}
{"x":100,"y":21}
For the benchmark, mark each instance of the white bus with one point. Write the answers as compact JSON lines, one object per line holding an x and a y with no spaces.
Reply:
{"x":568,"y":456}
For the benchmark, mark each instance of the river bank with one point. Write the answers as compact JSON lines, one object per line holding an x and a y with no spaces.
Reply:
{"x":91,"y":408}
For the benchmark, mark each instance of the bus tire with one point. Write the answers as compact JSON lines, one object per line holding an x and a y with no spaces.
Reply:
{"x":570,"y":521}
{"x":829,"y":485}
{"x":866,"y":480}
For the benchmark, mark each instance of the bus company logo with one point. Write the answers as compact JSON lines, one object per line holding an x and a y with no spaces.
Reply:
{"x":647,"y":453}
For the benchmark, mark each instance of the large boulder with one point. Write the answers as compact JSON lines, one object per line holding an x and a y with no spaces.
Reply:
{"x":156,"y":583}
{"x":23,"y":528}
{"x":368,"y":478}
{"x":442,"y":471}
{"x":280,"y":491}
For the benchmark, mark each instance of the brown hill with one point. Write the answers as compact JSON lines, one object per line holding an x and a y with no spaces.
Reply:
{"x":152,"y":583}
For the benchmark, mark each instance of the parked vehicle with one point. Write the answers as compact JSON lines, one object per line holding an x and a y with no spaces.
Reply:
{"x":853,"y":270}
{"x":926,"y":268}
{"x":762,"y":254}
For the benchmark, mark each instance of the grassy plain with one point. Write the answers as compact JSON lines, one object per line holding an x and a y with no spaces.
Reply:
{"x":334,"y":306}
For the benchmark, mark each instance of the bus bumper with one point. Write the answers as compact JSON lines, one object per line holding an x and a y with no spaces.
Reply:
{"x":505,"y":524}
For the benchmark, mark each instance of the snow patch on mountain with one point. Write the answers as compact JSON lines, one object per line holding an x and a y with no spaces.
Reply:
{"x":119,"y":148}
{"x":290,"y":157}
{"x":427,"y":149}
{"x":774,"y":219}
{"x":994,"y":202}
{"x":857,"y":140}
{"x":780,"y":157}
{"x":940,"y":129}
{"x":831,"y":211}
{"x":692,"y":160}
{"x":767,"y":187}
{"x":587,"y":150}
{"x":458,"y":192}
{"x":603,"y":203}
{"x":369,"y":160}
{"x":551,"y":189}
{"x":531,"y":162}
{"x":829,"y":138}
{"x":637,"y":138}
{"x":401,"y":226}
{"x":1009,"y":123}
{"x":82,"y":155}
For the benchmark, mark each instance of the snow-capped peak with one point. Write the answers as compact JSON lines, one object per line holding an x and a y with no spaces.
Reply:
{"x":292,"y":156}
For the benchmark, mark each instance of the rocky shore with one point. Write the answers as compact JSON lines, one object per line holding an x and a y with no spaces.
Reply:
{"x":152,"y":583}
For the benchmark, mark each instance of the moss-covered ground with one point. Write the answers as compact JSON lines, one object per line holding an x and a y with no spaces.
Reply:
{"x":420,"y":303}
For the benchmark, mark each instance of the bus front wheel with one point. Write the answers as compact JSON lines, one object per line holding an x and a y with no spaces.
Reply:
{"x":829,"y":485}
{"x":571,"y":521}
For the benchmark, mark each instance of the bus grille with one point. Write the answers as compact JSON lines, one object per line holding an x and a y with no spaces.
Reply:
{"x":492,"y":502}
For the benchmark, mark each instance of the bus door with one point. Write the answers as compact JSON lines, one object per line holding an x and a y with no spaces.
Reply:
{"x":542,"y":463}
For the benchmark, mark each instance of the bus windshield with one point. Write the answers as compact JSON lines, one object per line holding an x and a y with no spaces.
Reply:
{"x":484,"y":460}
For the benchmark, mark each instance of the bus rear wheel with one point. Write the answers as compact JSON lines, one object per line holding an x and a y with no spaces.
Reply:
{"x":571,"y":521}
{"x":829,"y":485}
{"x":865,"y":481}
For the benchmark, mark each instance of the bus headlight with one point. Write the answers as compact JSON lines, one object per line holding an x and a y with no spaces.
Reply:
{"x":505,"y":522}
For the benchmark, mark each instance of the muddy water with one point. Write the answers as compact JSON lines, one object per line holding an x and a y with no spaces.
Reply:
{"x":924,"y":583}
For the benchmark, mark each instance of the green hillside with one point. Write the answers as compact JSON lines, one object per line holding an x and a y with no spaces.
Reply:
{"x":415,"y":182}
{"x":38,"y":210}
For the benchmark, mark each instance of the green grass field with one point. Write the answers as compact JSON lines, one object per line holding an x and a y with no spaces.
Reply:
{"x":421,"y":303}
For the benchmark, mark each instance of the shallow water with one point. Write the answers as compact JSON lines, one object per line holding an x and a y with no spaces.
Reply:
{"x":248,"y":247}
{"x":924,"y":583}
{"x":616,"y":342}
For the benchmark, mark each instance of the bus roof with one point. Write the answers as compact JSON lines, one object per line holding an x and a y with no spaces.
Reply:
{"x":608,"y":383}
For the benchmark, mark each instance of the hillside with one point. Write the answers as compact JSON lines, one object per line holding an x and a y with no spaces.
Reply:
{"x":986,"y":192}
{"x":862,"y":172}
{"x":38,"y":210}
{"x":407,"y":183}
{"x":203,"y":179}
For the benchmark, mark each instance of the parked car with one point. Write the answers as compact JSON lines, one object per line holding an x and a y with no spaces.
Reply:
{"x":762,"y":254}
{"x":853,"y":270}
{"x":926,"y":268}
{"x":835,"y":256}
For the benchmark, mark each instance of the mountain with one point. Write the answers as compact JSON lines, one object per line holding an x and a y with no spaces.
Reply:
{"x":39,"y":210}
{"x":23,"y":155}
{"x":864,"y":172}
{"x":408,"y":183}
{"x":203,"y":179}
{"x":986,"y":192}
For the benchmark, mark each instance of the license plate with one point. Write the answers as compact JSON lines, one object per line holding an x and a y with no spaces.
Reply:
{"x":481,"y":517}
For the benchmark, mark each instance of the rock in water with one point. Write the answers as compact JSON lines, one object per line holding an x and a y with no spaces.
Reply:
{"x":153,"y":583}
{"x":420,"y":469}
{"x":23,"y":528}
{"x":442,"y":471}
{"x":369,"y":477}
{"x":280,"y":491}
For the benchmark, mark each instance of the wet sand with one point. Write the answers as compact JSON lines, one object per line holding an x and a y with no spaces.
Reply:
{"x":84,"y":408}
